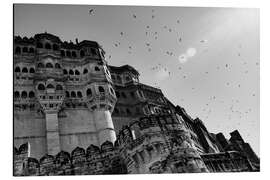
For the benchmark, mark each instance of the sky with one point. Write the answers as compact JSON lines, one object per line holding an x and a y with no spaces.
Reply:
{"x":206,"y":60}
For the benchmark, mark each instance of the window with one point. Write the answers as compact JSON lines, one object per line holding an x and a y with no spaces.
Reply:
{"x":128,"y":78}
{"x":85,"y":71}
{"x":24,"y":70}
{"x":93,"y":51}
{"x":73,"y":94}
{"x":97,"y":68}
{"x":55,"y":47}
{"x":82,"y":54}
{"x":67,"y":94}
{"x":32,"y":70}
{"x":71,"y":72}
{"x":16,"y":94}
{"x":101,"y":89}
{"x":132,"y":94}
{"x":123,"y":95}
{"x":77,"y":72}
{"x":31,"y":94}
{"x":39,"y":45}
{"x":50,"y":86}
{"x":59,"y":87}
{"x":89,"y":92}
{"x":24,"y":94}
{"x":79,"y":94}
{"x":62,"y":53}
{"x":49,"y":65}
{"x":48,"y":46}
{"x":41,"y":87}
{"x":17,"y":69}
{"x":128,"y":111}
{"x":31,"y":50}
{"x":117,"y":94}
{"x":18,"y":50}
{"x":113,"y":77}
{"x":68,"y":53}
{"x":118,"y":78}
{"x":116,"y":111}
{"x":74,"y":54}
{"x":25,"y":49}
{"x":65,"y":71}
{"x":40,"y":65}
{"x":57,"y":66}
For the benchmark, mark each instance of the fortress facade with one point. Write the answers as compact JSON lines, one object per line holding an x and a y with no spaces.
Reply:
{"x":76,"y":114}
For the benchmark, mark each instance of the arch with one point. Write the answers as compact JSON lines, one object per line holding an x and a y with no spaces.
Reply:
{"x":71,"y":72}
{"x":16,"y":94}
{"x":31,"y":50}
{"x":82,"y":53}
{"x":17,"y":50}
{"x":25,"y":49}
{"x":24,"y":94}
{"x":79,"y":94}
{"x":101,"y":89}
{"x":65,"y":71}
{"x":48,"y":46}
{"x":41,"y":87}
{"x":17,"y":69}
{"x":31,"y":94}
{"x":50,"y":86}
{"x":49,"y":65}
{"x":59,"y":87}
{"x":97,"y":68}
{"x":55,"y":47}
{"x":85,"y":71}
{"x":73,"y":94}
{"x":57,"y":66}
{"x":39,"y":45}
{"x":89,"y":92}
{"x":68,"y":53}
{"x":77,"y":72}
{"x":25,"y":70}
{"x":73,"y":54}
{"x":63,"y":53}
{"x":32,"y":70}
{"x":67,"y":94}
{"x":40,"y":65}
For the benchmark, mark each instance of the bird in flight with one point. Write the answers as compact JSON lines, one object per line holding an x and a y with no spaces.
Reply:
{"x":91,"y":11}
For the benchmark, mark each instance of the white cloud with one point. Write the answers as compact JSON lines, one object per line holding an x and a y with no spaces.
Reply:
{"x":162,"y":74}
{"x":190,"y":52}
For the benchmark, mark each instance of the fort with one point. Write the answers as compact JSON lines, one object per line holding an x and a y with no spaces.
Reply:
{"x":76,"y":114}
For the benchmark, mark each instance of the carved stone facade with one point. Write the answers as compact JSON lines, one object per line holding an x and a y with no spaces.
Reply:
{"x":75,"y":114}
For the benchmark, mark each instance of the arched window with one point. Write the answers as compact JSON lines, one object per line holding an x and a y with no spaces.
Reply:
{"x":31,"y":50}
{"x":39,"y":45}
{"x":71,"y":72}
{"x":55,"y":47}
{"x":124,"y":95}
{"x":57,"y":66}
{"x":49,"y":65}
{"x":17,"y":69}
{"x":25,"y":70}
{"x":93,"y":51}
{"x":67,"y":94}
{"x":68,"y":53}
{"x":85,"y":71}
{"x":62,"y":53}
{"x":31,"y":94}
{"x":41,"y":87}
{"x":77,"y":72}
{"x":18,"y":50}
{"x":89,"y":92}
{"x":59,"y":87}
{"x":101,"y":89}
{"x":40,"y":65}
{"x":16,"y":94}
{"x":65,"y":71}
{"x":25,"y":49}
{"x":50,"y":86}
{"x":73,"y":94}
{"x":118,"y":78}
{"x":79,"y":94}
{"x":128,"y":78}
{"x":24,"y":94}
{"x":82,"y":54}
{"x":32,"y":70}
{"x":97,"y":68}
{"x":73,"y":53}
{"x":48,"y":46}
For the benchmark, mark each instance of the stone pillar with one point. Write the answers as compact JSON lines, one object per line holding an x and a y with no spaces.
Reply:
{"x":104,"y":126}
{"x":52,"y":133}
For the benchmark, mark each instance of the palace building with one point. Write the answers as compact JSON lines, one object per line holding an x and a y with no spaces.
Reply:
{"x":76,"y":114}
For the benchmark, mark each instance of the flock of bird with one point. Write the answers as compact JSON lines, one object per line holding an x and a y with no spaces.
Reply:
{"x":154,"y":34}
